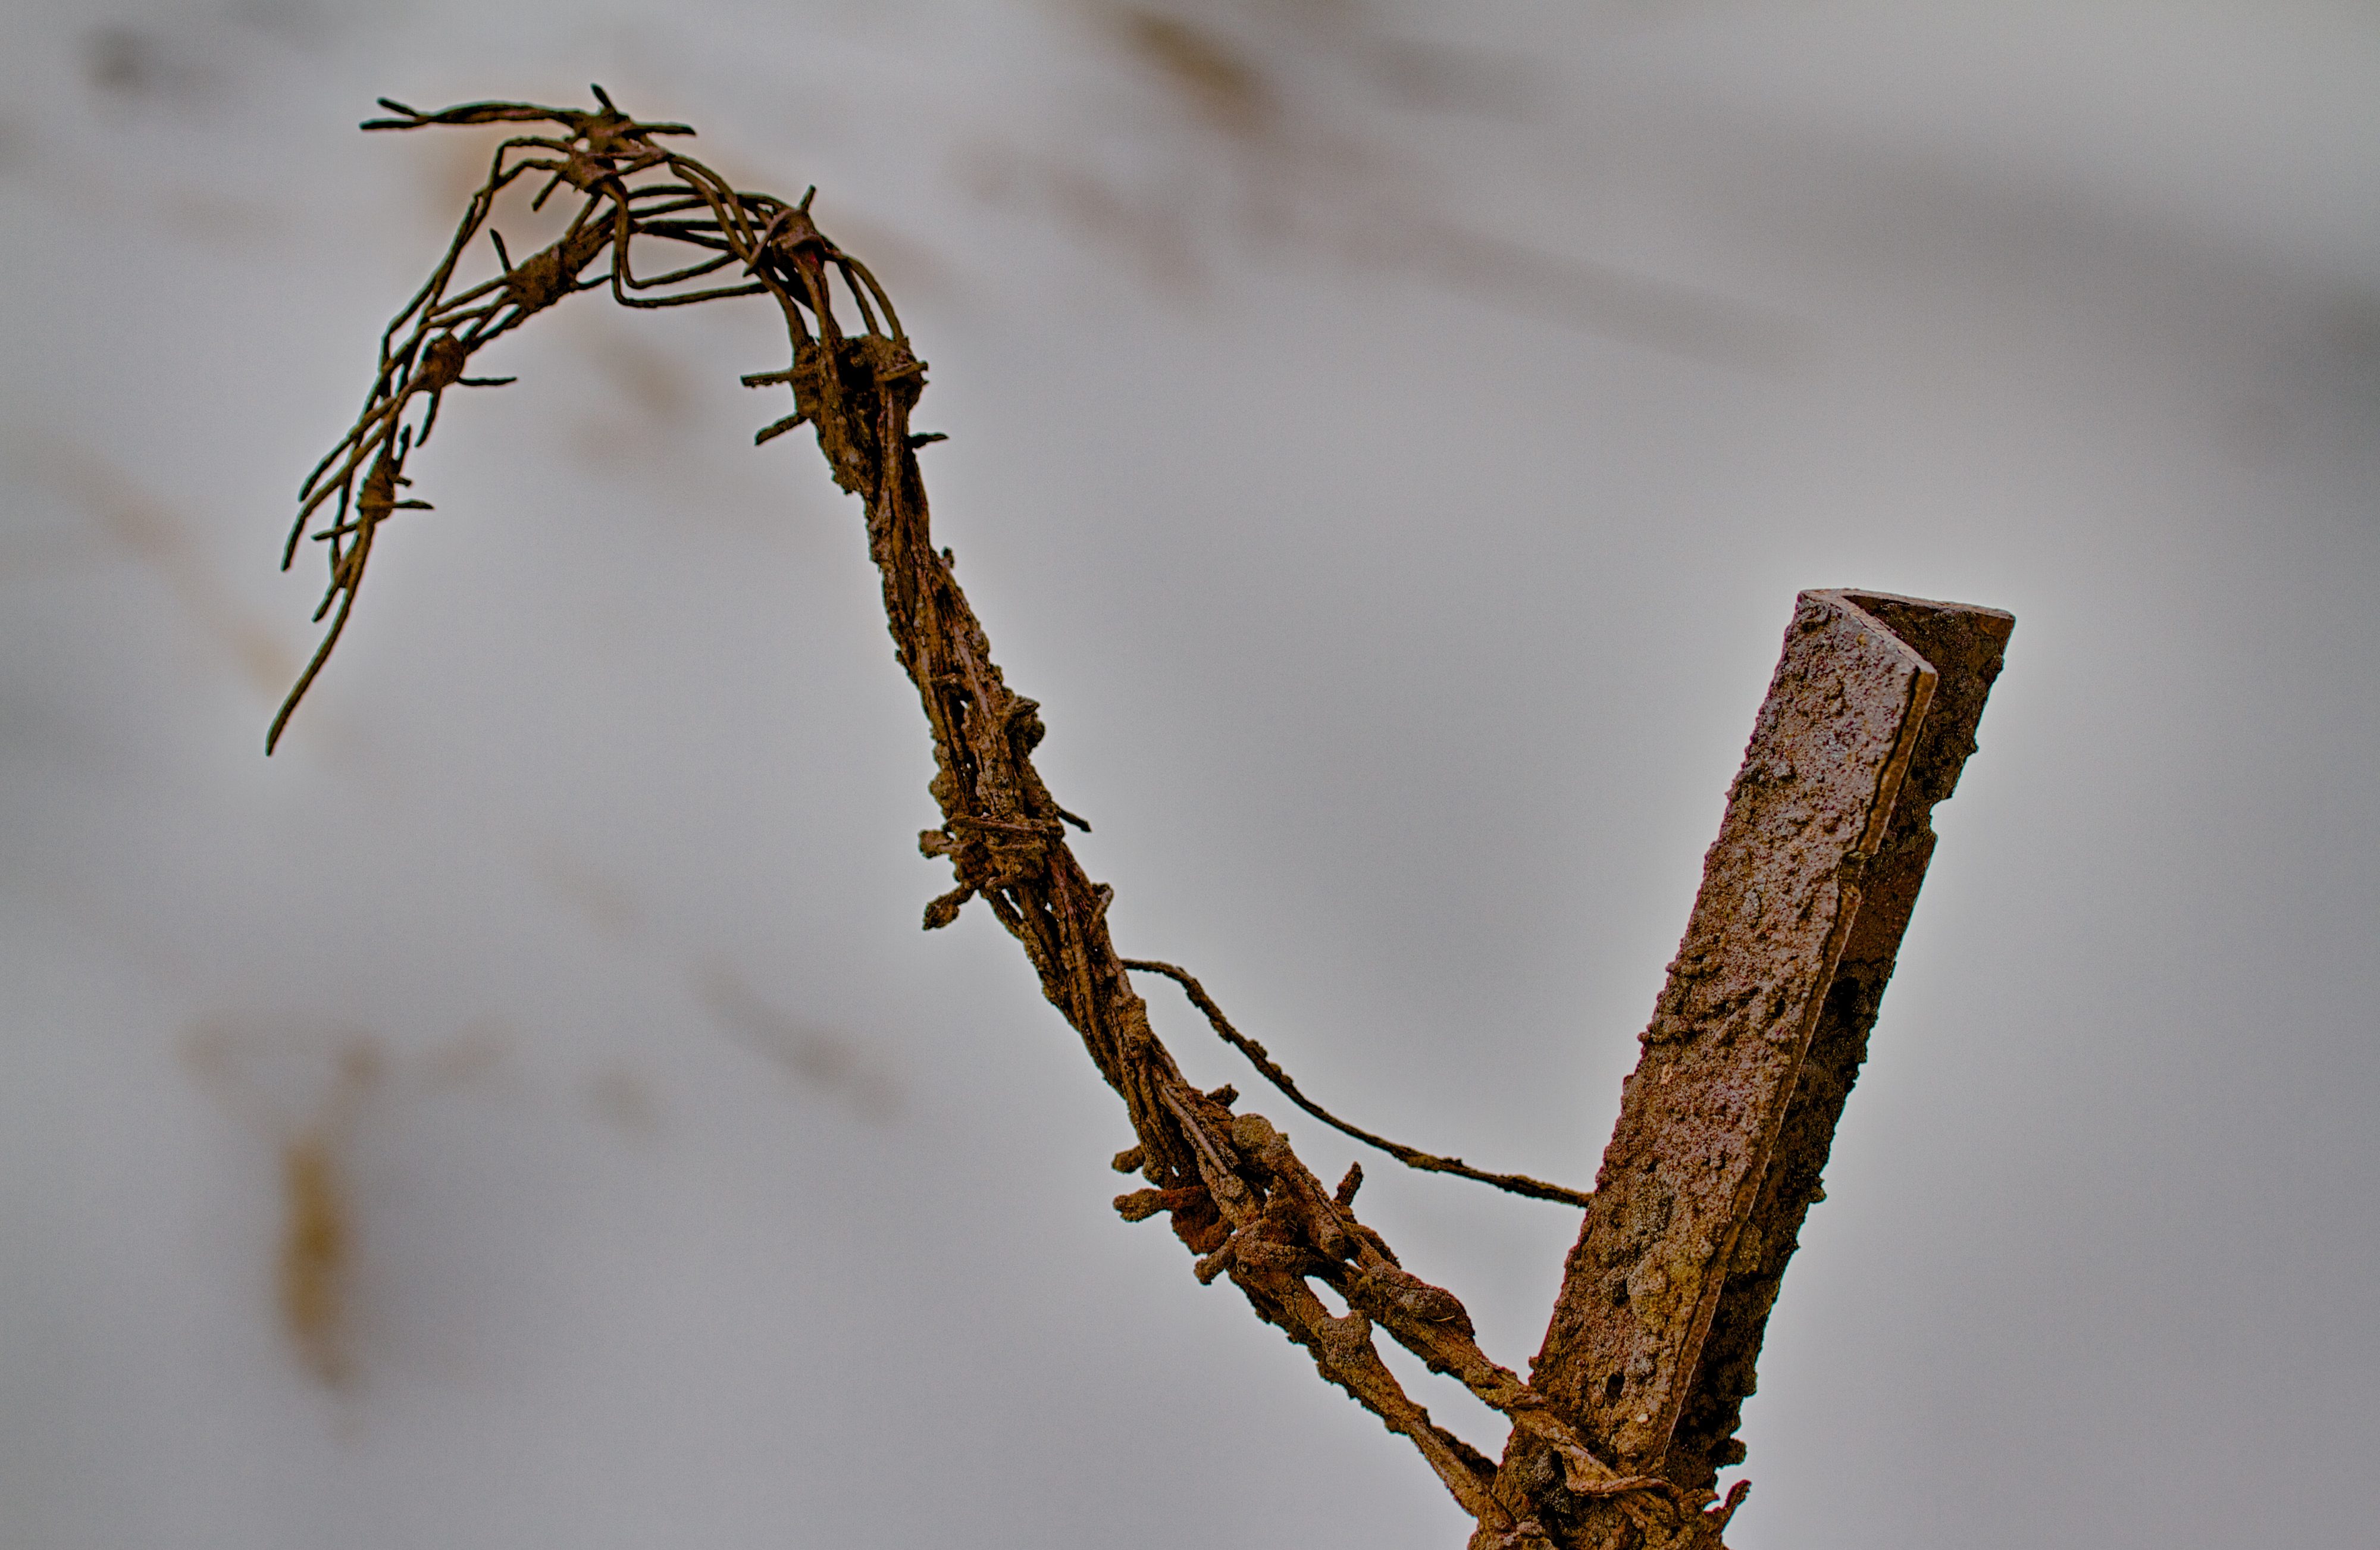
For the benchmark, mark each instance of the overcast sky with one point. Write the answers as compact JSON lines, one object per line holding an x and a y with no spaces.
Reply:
{"x":1388,"y":444}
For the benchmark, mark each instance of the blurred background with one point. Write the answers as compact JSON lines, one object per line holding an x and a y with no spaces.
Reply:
{"x":1388,"y":439}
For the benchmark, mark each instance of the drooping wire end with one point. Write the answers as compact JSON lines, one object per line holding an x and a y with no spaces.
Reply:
{"x":406,"y":116}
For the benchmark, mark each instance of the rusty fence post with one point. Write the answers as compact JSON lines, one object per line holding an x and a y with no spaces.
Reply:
{"x":1725,"y":1125}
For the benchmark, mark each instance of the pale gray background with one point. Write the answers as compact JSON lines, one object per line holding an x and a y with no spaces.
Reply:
{"x":1394,"y":495}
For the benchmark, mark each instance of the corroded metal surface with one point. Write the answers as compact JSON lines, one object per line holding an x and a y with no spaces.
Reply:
{"x":1963,"y":645}
{"x":1726,"y":1123}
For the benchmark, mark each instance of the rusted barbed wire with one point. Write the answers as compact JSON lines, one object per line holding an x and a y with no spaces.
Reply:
{"x":604,"y":156}
{"x":1232,"y":1187}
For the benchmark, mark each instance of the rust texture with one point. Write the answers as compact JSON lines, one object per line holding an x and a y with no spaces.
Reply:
{"x":1963,"y":645}
{"x":1703,"y":1114}
{"x":1756,"y":1037}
